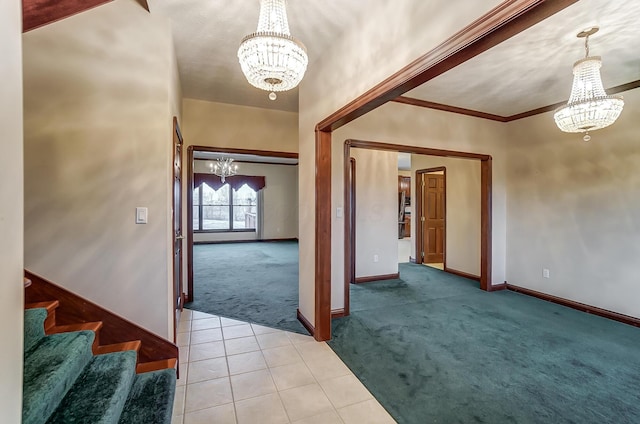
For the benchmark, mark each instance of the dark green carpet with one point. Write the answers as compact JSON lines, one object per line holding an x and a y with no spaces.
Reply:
{"x":434,"y":348}
{"x":254,"y":282}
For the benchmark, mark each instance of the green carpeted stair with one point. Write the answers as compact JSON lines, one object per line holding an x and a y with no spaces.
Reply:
{"x":65,"y":383}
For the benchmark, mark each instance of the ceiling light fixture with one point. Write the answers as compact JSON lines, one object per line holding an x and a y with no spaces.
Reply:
{"x":270,"y":58}
{"x":223,"y":168}
{"x":589,"y":107}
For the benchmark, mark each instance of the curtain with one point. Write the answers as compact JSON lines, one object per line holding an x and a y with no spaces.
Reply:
{"x":256,"y":183}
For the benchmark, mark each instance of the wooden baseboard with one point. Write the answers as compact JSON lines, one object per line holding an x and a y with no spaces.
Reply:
{"x":360,"y":280}
{"x":244,"y":241}
{"x":626,"y":319}
{"x":498,"y":287}
{"x":74,"y":309}
{"x":305,"y":323}
{"x":462,"y":274}
{"x":338,"y":313}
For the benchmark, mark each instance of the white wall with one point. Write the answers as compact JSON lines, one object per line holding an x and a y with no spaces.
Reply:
{"x":376,"y":212}
{"x":98,"y":119}
{"x":280,"y":202}
{"x":463,"y":237}
{"x":11,"y":213}
{"x":388,"y":37}
{"x":574,"y":208}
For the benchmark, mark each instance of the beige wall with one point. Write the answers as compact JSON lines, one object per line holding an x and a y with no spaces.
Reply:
{"x":241,"y":127}
{"x":280,"y":202}
{"x":369,"y":51}
{"x":574,"y":208}
{"x":376,"y":212}
{"x":462,"y":210}
{"x":98,"y":117}
{"x":11,"y":213}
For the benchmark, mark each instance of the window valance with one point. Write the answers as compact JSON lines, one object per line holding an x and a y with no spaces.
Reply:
{"x":236,"y":181}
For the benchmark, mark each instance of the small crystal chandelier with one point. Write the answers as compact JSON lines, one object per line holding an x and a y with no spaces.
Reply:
{"x":589,"y":107}
{"x":271,"y":59}
{"x":223,"y":168}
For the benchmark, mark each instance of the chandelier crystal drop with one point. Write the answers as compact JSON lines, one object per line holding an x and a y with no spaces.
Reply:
{"x":223,"y":167}
{"x":589,"y":107}
{"x":270,"y":58}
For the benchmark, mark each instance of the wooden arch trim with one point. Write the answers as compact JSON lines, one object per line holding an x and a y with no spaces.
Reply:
{"x":504,"y":21}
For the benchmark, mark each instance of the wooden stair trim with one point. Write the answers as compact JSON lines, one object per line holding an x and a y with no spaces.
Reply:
{"x":74,"y":309}
{"x":156,"y":365}
{"x":119,"y":347}
{"x":50,"y":306}
{"x":82,"y":326}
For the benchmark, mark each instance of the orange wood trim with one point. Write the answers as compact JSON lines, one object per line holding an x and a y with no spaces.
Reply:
{"x":499,"y":24}
{"x":189,"y":296}
{"x":462,"y":111}
{"x":338,"y":313}
{"x":306,"y":323}
{"x":439,"y":106}
{"x":594,"y":310}
{"x":498,"y":287}
{"x":323,"y":237}
{"x":162,"y":364}
{"x":119,"y":347}
{"x":371,"y":278}
{"x":506,"y":20}
{"x":462,"y":274}
{"x":349,"y":224}
{"x":37,"y":13}
{"x":375,"y":145}
{"x":74,"y":309}
{"x":270,"y":153}
{"x":50,"y":306}
{"x":486,"y":209}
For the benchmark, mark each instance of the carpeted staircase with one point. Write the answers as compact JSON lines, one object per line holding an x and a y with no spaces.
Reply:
{"x":64,"y":382}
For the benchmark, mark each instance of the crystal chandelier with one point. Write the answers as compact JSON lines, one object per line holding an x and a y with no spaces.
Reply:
{"x":589,"y":108}
{"x":271,"y":59}
{"x":223,"y":168}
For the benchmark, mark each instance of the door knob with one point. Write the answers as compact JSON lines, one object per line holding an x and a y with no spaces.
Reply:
{"x":181,"y":237}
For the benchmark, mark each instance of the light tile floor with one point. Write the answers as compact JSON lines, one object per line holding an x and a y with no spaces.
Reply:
{"x":232,"y":372}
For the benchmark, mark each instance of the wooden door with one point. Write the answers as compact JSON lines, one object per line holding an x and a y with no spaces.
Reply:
{"x":178,"y":292}
{"x":433,"y":221}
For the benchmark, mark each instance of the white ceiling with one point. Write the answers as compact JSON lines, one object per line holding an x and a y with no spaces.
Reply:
{"x":207,"y":34}
{"x":528,"y":71}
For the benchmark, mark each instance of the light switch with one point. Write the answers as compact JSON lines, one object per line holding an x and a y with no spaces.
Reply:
{"x":338,"y":212}
{"x":141,"y":215}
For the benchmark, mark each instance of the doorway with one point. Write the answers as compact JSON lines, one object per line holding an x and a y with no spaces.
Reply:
{"x":178,"y":237}
{"x":431,"y":217}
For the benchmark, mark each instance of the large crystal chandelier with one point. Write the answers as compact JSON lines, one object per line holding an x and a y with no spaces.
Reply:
{"x":223,"y":168}
{"x":589,"y":108}
{"x":271,"y":58}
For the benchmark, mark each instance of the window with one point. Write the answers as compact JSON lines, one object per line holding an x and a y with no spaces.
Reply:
{"x":224,"y":209}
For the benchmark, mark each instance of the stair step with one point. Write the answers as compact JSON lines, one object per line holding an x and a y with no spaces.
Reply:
{"x":83,"y":326}
{"x":50,"y":306}
{"x":50,"y":369}
{"x":119,"y":347}
{"x":100,"y":392}
{"x":157,"y":365}
{"x":151,"y":398}
{"x":33,"y":327}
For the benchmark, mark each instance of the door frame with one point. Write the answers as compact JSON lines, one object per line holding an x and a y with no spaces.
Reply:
{"x":190,"y":159}
{"x":499,"y":24}
{"x":419,"y":202}
{"x":485,"y":205}
{"x":178,"y":292}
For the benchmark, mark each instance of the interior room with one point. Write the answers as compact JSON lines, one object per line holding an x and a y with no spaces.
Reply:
{"x":532,"y":318}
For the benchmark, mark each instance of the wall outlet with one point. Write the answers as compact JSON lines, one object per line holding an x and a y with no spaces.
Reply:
{"x":338,"y":212}
{"x":545,"y":273}
{"x":375,"y":258}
